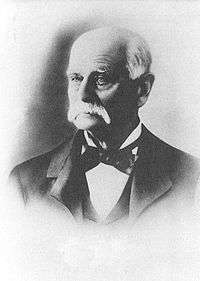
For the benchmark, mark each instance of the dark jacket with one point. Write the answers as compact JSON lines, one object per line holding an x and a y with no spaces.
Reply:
{"x":161,"y":172}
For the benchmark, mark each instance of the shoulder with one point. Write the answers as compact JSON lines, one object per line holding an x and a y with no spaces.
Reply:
{"x":32,"y":166}
{"x":177,"y":162}
{"x":31,"y":175}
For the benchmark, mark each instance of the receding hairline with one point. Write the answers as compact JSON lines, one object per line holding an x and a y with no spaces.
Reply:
{"x":137,"y":51}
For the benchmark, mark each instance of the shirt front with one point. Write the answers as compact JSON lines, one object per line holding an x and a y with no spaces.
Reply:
{"x":105,"y":182}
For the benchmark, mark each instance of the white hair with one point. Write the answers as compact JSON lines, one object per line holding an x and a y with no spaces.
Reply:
{"x":138,"y":55}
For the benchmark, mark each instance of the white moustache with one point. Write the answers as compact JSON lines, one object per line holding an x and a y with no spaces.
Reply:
{"x":93,"y":109}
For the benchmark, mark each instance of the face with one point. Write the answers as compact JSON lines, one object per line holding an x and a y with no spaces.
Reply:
{"x":100,"y":92}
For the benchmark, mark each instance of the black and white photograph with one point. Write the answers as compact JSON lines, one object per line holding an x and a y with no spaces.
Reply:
{"x":100,"y":150}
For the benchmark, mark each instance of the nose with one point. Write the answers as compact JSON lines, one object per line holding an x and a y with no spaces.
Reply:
{"x":85,"y":90}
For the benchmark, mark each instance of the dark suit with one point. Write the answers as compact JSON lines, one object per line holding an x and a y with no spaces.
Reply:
{"x":161,"y":173}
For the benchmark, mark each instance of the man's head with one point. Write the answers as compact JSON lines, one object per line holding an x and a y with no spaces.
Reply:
{"x":109,"y":78}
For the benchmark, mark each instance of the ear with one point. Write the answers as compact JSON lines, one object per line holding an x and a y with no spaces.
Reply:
{"x":144,"y":88}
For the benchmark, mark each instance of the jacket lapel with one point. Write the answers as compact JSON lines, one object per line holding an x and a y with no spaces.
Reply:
{"x":62,"y":164}
{"x":150,"y":180}
{"x":58,"y":159}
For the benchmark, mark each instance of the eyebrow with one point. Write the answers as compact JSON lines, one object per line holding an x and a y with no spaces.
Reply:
{"x":71,"y":73}
{"x":103,"y":69}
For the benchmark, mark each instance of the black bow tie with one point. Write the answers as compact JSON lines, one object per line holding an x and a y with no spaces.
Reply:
{"x":122,"y":159}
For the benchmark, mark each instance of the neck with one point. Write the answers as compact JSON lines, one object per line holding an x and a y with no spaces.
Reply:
{"x":113,"y":137}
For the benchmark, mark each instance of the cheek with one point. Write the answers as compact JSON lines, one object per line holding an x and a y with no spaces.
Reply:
{"x":71,"y":93}
{"x":120,"y":103}
{"x":108,"y":96}
{"x":118,"y":97}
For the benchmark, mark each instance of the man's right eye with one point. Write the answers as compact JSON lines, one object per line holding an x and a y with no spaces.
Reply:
{"x":75,"y":78}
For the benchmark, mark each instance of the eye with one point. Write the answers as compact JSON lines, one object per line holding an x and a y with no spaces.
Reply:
{"x":75,"y":78}
{"x":102,"y":81}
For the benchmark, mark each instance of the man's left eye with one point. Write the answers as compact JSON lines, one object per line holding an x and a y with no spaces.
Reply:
{"x":102,"y":81}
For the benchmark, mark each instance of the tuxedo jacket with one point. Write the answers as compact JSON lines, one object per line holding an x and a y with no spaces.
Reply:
{"x":162,"y":175}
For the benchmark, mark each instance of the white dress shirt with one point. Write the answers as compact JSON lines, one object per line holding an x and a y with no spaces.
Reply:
{"x":105,"y":182}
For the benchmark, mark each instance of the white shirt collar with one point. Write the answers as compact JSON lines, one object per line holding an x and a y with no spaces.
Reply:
{"x":131,"y":138}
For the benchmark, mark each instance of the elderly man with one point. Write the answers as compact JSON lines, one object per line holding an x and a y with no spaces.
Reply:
{"x":113,"y":168}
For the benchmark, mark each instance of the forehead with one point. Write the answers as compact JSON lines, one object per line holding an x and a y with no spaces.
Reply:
{"x":95,"y":53}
